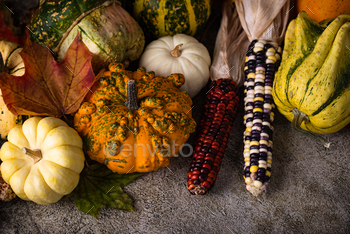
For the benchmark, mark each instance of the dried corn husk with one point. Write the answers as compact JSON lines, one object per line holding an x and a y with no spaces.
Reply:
{"x":264,"y":19}
{"x":230,"y":47}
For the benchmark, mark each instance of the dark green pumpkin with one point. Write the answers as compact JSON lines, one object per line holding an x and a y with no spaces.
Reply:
{"x":169,"y":17}
{"x":105,"y":27}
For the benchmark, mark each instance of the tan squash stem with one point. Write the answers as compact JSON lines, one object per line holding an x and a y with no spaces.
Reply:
{"x":131,"y":98}
{"x":34,"y":154}
{"x":176,"y":52}
{"x":300,"y":117}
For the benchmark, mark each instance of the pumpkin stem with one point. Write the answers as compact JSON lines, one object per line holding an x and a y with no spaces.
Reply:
{"x":176,"y":52}
{"x":34,"y":154}
{"x":131,"y":98}
{"x":299,"y":117}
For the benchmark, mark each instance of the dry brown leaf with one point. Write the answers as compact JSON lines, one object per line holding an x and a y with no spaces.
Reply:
{"x":49,"y":88}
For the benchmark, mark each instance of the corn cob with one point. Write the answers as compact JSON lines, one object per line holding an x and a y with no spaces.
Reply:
{"x":262,"y":61}
{"x":214,"y":128}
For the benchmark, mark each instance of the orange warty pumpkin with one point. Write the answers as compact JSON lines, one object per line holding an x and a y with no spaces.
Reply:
{"x":135,"y":121}
{"x":323,"y":9}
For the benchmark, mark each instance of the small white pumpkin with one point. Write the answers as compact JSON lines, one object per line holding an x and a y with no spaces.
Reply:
{"x":42,"y":159}
{"x":12,"y":63}
{"x":179,"y":54}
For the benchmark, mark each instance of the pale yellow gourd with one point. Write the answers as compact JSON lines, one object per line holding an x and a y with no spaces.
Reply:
{"x":42,"y":159}
{"x":12,"y":64}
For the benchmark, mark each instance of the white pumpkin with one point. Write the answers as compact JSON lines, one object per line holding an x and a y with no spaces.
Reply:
{"x":12,"y":63}
{"x":179,"y":54}
{"x":42,"y":159}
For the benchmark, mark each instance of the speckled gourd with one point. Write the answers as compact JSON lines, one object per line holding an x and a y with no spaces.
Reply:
{"x":312,"y":85}
{"x":135,"y":121}
{"x":105,"y":27}
{"x":167,"y":18}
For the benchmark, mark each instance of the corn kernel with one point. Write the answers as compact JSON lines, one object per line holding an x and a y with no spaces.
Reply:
{"x":260,"y":44}
{"x":258,"y":99}
{"x":251,"y":75}
{"x":248,"y":180}
{"x":268,"y":173}
{"x":271,"y":50}
{"x":257,"y":110}
{"x":254,"y":143}
{"x":257,"y":183}
{"x":253,"y":168}
{"x":269,"y":61}
{"x":269,"y":161}
{"x":272,"y":57}
{"x":257,"y":49}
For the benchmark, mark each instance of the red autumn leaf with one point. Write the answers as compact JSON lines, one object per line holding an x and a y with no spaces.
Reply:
{"x":48,"y":87}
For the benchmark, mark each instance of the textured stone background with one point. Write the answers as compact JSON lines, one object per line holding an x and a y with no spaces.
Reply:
{"x":308,"y":193}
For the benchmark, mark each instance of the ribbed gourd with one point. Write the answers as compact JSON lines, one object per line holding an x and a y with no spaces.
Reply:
{"x":169,"y":17}
{"x":312,"y":86}
{"x":135,"y":121}
{"x":105,"y":27}
{"x":11,"y":63}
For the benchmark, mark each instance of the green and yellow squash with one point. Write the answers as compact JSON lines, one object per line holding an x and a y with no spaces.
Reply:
{"x":312,"y":85}
{"x":169,"y":17}
{"x":105,"y":27}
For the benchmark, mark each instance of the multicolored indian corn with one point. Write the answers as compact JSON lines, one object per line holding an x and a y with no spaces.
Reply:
{"x":262,"y":61}
{"x":213,"y":132}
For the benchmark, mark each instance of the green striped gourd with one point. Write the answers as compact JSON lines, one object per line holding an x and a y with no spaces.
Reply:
{"x":11,"y":63}
{"x":312,"y":85}
{"x":105,"y":27}
{"x":169,"y":17}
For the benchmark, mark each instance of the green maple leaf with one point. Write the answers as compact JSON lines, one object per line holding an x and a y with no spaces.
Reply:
{"x":99,"y":186}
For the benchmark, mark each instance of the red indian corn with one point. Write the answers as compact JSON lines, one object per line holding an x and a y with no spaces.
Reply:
{"x":213,"y":132}
{"x":262,"y":61}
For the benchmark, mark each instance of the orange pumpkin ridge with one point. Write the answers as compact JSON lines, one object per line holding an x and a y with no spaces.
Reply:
{"x":323,"y":9}
{"x":138,"y":139}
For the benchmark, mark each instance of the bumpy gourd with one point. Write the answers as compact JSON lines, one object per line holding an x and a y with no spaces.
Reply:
{"x":135,"y":121}
{"x":312,"y":85}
